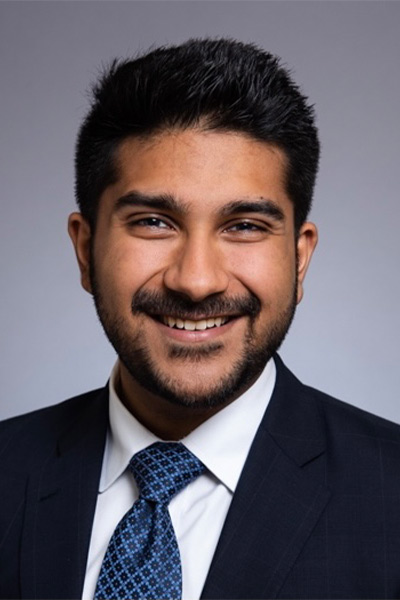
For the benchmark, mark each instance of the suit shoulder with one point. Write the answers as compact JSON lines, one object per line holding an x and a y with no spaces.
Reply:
{"x":47,"y":422}
{"x":350,"y":420}
{"x":340,"y":418}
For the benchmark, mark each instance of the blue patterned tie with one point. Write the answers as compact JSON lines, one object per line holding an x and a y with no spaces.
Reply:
{"x":142,"y":561}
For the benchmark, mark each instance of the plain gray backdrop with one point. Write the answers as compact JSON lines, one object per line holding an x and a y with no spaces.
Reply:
{"x":346,"y":57}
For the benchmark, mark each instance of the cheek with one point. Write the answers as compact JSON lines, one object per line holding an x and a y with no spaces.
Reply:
{"x":126,"y":267}
{"x":269,"y":274}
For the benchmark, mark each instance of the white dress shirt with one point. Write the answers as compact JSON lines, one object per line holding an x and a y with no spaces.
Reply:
{"x":198,"y":512}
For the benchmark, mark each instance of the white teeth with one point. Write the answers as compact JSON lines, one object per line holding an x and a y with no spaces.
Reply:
{"x":191,"y":325}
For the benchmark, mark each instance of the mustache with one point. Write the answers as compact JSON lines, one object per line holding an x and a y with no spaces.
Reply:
{"x":173,"y":304}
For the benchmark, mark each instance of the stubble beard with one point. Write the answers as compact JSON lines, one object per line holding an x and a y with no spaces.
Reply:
{"x":135,"y":354}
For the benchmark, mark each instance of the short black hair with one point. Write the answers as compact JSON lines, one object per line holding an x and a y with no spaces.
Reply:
{"x":216,"y":84}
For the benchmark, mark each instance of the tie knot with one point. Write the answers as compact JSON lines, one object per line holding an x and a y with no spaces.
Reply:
{"x":164,"y":469}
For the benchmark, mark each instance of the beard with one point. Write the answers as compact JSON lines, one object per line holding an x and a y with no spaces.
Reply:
{"x":135,"y":353}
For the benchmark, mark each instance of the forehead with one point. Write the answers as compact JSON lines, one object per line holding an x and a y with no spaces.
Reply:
{"x":201,"y":169}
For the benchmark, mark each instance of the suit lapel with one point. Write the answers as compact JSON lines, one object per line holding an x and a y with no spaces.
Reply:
{"x":278,"y":501}
{"x":61,"y":500}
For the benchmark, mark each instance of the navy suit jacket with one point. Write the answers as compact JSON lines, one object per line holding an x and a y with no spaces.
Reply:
{"x":316,"y":513}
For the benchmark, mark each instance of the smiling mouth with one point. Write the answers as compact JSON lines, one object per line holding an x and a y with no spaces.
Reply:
{"x":194,"y":325}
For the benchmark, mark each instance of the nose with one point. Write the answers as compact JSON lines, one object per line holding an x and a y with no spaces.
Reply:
{"x":197,"y":270}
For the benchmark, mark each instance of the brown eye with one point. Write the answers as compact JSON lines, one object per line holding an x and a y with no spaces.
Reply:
{"x":245,"y":226}
{"x":152,"y":222}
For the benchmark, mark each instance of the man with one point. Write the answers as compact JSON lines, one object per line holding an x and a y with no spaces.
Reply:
{"x":205,"y":468}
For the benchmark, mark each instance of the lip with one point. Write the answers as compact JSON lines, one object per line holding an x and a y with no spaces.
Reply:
{"x":182,"y":335}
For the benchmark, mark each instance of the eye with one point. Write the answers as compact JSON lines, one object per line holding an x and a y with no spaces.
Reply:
{"x":245,"y":226}
{"x":246,"y":230}
{"x":149,"y":226}
{"x":152,"y":222}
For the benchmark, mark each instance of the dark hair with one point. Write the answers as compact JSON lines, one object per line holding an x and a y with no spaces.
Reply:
{"x":217,"y":84}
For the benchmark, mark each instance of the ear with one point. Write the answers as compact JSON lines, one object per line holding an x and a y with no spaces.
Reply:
{"x":80,"y":233}
{"x":306,"y":243}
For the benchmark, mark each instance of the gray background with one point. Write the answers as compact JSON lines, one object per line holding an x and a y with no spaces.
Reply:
{"x":345,"y":55}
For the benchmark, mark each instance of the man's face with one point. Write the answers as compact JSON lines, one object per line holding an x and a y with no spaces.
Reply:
{"x":195,"y":266}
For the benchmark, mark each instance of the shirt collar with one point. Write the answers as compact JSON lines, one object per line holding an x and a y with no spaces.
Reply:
{"x":222,"y":442}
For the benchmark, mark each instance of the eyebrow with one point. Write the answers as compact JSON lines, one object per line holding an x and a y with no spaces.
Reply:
{"x":264,"y":206}
{"x":158,"y":202}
